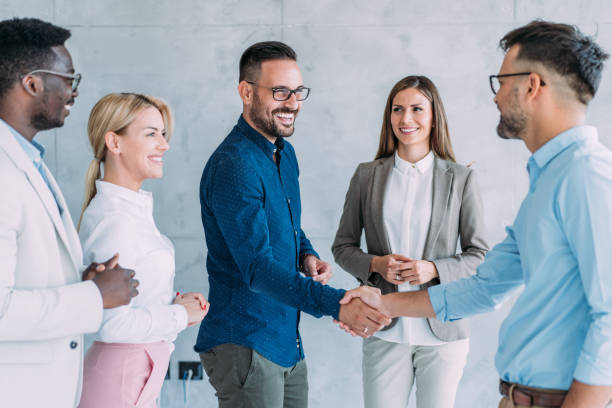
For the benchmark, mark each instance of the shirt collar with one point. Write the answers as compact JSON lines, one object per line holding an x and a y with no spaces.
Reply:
{"x":33,"y":149}
{"x":557,"y":144}
{"x":260,"y":140}
{"x":141,"y":198}
{"x":421,"y":166}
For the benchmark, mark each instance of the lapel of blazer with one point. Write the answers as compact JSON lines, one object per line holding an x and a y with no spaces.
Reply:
{"x":442,"y":182}
{"x":380,"y":177}
{"x":71,"y":237}
{"x":23,"y":162}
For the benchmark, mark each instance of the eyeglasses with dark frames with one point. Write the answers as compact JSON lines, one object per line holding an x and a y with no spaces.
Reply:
{"x":76,"y":78}
{"x":283,"y":94}
{"x":495,"y":84}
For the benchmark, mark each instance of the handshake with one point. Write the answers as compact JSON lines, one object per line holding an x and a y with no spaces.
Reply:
{"x":362,"y":312}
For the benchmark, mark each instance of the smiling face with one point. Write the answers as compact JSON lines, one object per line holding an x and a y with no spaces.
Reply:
{"x":411,"y":119}
{"x":142,"y":146}
{"x":270,"y":117}
{"x":57,"y":98}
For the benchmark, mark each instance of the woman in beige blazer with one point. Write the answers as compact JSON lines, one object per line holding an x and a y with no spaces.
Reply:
{"x":414,"y":203}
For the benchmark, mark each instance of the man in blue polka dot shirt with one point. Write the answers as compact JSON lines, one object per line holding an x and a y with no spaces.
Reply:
{"x":262,"y":268}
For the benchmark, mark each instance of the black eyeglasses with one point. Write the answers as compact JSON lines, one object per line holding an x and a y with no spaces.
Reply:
{"x":494,"y":80}
{"x":283,"y":94}
{"x":76,"y":78}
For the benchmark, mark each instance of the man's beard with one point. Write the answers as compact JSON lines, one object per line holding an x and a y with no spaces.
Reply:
{"x":41,"y":120}
{"x":512,"y":125}
{"x":267,"y":124}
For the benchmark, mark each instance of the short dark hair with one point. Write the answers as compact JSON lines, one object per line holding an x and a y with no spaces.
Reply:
{"x":25,"y":45}
{"x":564,"y":49}
{"x":252,"y":57}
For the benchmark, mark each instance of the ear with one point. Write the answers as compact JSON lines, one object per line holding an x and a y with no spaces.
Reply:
{"x":111,"y":139}
{"x":33,"y":85}
{"x":245,"y":90}
{"x":535,"y":86}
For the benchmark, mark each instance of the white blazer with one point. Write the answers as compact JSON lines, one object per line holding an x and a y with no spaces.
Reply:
{"x":44,"y":306}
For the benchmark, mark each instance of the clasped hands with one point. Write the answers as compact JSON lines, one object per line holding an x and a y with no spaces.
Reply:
{"x":195,"y":304}
{"x":116,"y":284}
{"x":398,"y":269}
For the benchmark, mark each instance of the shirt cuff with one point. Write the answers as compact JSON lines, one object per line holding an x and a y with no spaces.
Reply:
{"x":180,"y":316}
{"x":436,"y":297}
{"x":592,"y":372}
{"x":330,"y":301}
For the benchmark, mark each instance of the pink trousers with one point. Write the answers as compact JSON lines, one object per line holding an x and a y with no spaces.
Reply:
{"x":124,"y":375}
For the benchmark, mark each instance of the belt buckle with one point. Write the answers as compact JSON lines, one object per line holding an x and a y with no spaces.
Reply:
{"x":511,"y":395}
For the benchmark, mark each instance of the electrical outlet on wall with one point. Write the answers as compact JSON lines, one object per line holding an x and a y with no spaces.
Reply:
{"x":194,"y":366}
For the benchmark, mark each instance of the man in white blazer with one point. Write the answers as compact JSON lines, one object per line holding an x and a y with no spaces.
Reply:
{"x":44,"y":306}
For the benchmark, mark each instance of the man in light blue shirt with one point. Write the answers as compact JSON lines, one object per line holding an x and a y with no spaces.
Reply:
{"x":555,"y":346}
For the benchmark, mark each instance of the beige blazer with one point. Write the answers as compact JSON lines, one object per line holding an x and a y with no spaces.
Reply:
{"x":456,"y":214}
{"x":44,"y":308}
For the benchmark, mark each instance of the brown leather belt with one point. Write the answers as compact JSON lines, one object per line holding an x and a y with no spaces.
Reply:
{"x":529,"y":397}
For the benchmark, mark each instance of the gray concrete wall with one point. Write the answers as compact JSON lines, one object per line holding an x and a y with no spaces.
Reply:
{"x":351,"y":53}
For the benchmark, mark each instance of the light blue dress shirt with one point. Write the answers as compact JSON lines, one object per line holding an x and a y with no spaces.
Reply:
{"x":35,"y":152}
{"x":560,"y":249}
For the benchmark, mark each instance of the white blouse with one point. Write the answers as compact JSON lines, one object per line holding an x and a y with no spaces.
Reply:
{"x":119,"y":220}
{"x":407,"y":214}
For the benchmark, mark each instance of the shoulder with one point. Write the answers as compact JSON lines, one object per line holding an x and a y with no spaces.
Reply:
{"x":458,"y":170}
{"x":233,"y":156}
{"x":102,"y":234}
{"x":589,"y":164}
{"x":367,"y":168}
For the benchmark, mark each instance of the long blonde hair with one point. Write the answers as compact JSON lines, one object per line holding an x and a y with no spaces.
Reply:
{"x":439,"y":140}
{"x":114,"y":113}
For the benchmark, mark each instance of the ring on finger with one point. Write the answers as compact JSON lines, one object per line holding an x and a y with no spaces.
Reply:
{"x":398,"y":277}
{"x":365,"y":331}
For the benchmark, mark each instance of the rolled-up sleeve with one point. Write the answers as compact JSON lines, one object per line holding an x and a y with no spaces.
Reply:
{"x":584,"y":210}
{"x":496,"y":279}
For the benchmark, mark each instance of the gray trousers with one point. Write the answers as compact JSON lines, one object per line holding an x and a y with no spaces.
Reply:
{"x":243,"y":378}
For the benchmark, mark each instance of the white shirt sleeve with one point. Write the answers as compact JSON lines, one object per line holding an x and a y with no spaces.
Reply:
{"x":149,"y":317}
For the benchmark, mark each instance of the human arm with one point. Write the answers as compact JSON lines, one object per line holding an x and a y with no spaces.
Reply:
{"x":495,"y":279}
{"x":471,"y":236}
{"x":116,"y":284}
{"x":346,"y":247}
{"x":234,"y":194}
{"x":584,"y":213}
{"x":150,"y":316}
{"x":31,"y":310}
{"x":583,"y":395}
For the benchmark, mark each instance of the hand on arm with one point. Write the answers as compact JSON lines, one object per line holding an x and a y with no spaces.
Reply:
{"x":317,"y":269}
{"x":195,"y":304}
{"x":582,"y":395}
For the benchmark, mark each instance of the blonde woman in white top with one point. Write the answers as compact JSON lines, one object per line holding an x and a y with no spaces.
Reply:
{"x":126,"y":365}
{"x":414,"y":203}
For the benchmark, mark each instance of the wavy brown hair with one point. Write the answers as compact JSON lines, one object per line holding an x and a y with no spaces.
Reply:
{"x":439,"y":139}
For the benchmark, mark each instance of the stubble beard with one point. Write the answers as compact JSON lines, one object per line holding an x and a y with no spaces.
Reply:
{"x":267,"y":124}
{"x":512,"y":125}
{"x":41,"y":120}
